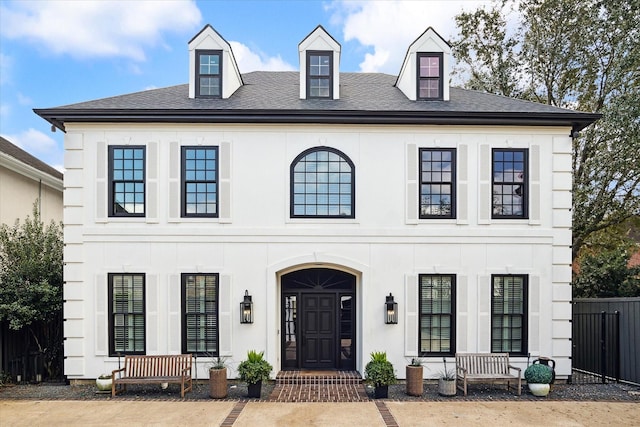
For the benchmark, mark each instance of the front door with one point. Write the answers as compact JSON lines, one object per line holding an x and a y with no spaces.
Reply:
{"x":318,"y":331}
{"x":318,"y":319}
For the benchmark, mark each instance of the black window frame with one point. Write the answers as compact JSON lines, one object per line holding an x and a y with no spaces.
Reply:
{"x":328,"y":78}
{"x":293,"y":193}
{"x":452,"y":183}
{"x":113,"y":182}
{"x":184,"y":315}
{"x":439,"y":79}
{"x":200,"y":75}
{"x":113,"y":350}
{"x":524,"y":345}
{"x":524,"y":184}
{"x":451,"y":314}
{"x":184,"y":182}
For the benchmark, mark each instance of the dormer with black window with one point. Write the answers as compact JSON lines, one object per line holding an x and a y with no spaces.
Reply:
{"x":424,"y":75}
{"x":213,"y":72}
{"x":319,"y":66}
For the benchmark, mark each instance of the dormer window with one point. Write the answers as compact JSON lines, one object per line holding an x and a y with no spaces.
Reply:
{"x":319,"y":74}
{"x":209,"y":74}
{"x":430,"y":75}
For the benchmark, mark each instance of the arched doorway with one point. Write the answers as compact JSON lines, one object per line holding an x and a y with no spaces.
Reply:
{"x":318,"y":319}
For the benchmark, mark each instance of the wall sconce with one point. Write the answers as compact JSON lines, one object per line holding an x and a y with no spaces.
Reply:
{"x":391,"y":310}
{"x":246,"y":309}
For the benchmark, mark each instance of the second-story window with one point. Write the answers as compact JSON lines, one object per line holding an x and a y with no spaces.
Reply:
{"x":437,"y":182}
{"x":126,"y":181}
{"x":319,"y":74}
{"x":322,"y":184}
{"x":509,"y":183}
{"x":430,"y":78}
{"x":209,"y":74}
{"x":200,"y":181}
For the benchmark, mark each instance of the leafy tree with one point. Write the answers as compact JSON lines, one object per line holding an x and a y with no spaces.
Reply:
{"x":606,"y":274}
{"x":31,"y":281}
{"x":581,"y":54}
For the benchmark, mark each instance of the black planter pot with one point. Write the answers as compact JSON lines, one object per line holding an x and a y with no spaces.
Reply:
{"x":382,"y":391}
{"x":253,"y":390}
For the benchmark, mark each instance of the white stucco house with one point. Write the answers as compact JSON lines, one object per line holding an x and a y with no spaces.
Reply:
{"x":319,"y":194}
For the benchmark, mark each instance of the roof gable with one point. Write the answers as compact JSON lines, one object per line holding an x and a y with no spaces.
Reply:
{"x":319,"y":40}
{"x":209,"y":39}
{"x":428,"y":42}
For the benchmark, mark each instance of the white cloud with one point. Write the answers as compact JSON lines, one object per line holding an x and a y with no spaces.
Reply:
{"x":38,"y":144}
{"x":24,"y":100}
{"x":383,"y":26}
{"x":251,"y":61}
{"x":88,"y":29}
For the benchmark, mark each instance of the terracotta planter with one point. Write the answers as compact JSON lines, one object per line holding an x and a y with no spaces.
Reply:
{"x":446,"y":387}
{"x":218,"y":383}
{"x":254,"y":390}
{"x":414,"y":381}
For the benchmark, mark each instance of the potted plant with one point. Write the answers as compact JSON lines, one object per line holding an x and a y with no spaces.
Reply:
{"x":538,"y":378}
{"x":253,"y":371}
{"x":414,"y":383}
{"x":379,"y":372}
{"x":218,"y":379}
{"x":447,"y":381}
{"x":103,"y":383}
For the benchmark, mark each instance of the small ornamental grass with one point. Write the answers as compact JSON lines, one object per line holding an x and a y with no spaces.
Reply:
{"x":538,"y":374}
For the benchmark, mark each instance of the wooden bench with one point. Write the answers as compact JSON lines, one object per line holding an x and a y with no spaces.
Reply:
{"x":174,"y":369}
{"x":485,"y":368}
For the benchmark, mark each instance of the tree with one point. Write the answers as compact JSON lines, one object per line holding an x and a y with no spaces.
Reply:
{"x":605,"y":274}
{"x":581,"y":54}
{"x":31,"y":281}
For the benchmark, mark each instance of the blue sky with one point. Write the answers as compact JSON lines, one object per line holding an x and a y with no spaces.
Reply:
{"x":54,"y":53}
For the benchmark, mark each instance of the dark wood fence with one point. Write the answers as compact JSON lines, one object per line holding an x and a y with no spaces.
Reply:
{"x":606,"y":338}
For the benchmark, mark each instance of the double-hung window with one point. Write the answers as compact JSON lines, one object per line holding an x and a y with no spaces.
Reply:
{"x":200,"y":181}
{"x":509,"y":314}
{"x":430,"y":76}
{"x":437,"y":183}
{"x":126,"y":181}
{"x":208,"y":74}
{"x":509,"y":183}
{"x":126,"y":314}
{"x":322,"y":184}
{"x":437,"y":314}
{"x":319,"y":74}
{"x":200,"y":314}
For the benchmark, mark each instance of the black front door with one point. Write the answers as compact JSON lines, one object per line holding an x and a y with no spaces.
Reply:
{"x":318,"y":319}
{"x":318,"y":331}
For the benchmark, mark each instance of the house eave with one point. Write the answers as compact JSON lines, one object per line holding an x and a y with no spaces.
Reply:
{"x":58,"y":117}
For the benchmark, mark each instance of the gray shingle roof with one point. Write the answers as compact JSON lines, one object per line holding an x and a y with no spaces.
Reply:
{"x":18,"y":153}
{"x":274,"y":97}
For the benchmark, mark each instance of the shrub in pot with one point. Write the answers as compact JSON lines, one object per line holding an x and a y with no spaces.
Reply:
{"x":253,"y":371}
{"x":538,"y":378}
{"x":379,"y":372}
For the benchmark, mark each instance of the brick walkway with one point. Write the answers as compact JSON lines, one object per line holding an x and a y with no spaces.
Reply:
{"x":318,"y":386}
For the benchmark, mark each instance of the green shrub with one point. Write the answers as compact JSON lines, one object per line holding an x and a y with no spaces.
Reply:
{"x":379,"y":371}
{"x":255,"y":368}
{"x":538,"y":374}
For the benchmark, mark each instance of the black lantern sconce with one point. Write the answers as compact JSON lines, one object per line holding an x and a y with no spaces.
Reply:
{"x":390,"y":311}
{"x":246,"y":309}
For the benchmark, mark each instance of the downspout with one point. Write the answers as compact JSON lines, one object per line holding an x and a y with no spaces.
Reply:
{"x":40,"y":198}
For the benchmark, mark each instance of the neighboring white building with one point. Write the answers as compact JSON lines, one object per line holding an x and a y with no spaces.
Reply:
{"x":319,"y":194}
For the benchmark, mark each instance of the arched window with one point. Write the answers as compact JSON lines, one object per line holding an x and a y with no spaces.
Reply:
{"x":322,"y":184}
